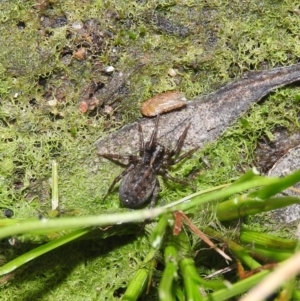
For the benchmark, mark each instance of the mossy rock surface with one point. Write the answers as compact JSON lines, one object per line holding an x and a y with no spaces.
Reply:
{"x":54,"y":55}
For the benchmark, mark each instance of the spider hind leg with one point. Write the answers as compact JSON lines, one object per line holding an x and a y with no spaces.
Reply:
{"x":117,"y":179}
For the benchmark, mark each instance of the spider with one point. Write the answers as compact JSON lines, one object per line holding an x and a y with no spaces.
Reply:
{"x":139,"y":184}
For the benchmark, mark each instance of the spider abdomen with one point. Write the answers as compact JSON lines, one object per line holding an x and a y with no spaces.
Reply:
{"x":136,"y":188}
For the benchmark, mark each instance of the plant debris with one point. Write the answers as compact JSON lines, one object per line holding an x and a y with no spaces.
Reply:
{"x":163,"y":103}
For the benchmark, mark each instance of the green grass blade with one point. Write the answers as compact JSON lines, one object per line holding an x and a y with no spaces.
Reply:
{"x":270,"y":254}
{"x":282,"y":184}
{"x":267,"y":240}
{"x":139,"y":281}
{"x":198,"y":199}
{"x":36,"y":252}
{"x":165,"y":289}
{"x":66,"y":223}
{"x":188,"y":270}
{"x":237,"y":288}
{"x":243,"y":206}
{"x":248,"y":176}
{"x":158,"y":232}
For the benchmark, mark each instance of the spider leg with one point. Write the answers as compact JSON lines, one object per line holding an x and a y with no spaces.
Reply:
{"x":183,"y":156}
{"x":166,"y":175}
{"x":118,"y":158}
{"x":180,"y":141}
{"x":154,"y":194}
{"x":117,"y":179}
{"x":153,"y":140}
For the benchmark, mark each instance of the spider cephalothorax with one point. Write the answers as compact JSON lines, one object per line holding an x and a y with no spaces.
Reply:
{"x":139,"y":184}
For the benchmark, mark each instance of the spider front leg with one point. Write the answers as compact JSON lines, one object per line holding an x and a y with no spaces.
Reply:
{"x":118,"y":159}
{"x":166,"y":175}
{"x":183,"y":182}
{"x":180,"y":141}
{"x":153,"y":139}
{"x":183,"y":156}
{"x":175,"y":152}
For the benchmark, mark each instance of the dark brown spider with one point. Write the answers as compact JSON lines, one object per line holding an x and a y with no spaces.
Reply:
{"x":139,"y":183}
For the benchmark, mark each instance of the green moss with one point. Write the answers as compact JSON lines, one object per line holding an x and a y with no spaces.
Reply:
{"x":209,"y":43}
{"x":242,"y":138}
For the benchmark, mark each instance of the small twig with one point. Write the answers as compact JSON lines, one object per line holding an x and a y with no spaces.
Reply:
{"x":221,"y":271}
{"x":203,"y":236}
{"x":246,"y":274}
{"x":295,"y":189}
